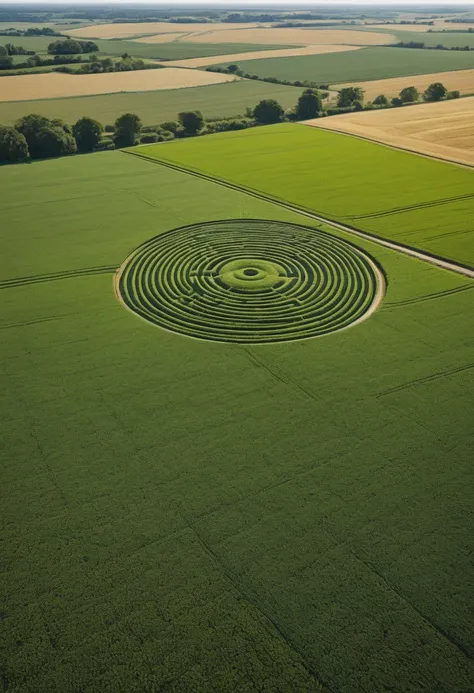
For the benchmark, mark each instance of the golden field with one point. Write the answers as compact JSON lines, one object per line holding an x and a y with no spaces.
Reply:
{"x":444,"y":129}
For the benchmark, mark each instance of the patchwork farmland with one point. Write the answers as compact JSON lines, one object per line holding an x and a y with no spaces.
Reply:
{"x":237,"y":375}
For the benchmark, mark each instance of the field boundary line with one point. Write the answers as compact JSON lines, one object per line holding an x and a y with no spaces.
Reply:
{"x":394,"y":146}
{"x":424,"y":256}
{"x":56,"y":276}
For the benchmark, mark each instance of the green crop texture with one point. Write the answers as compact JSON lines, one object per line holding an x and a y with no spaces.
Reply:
{"x":417,"y":201}
{"x":363,"y":64}
{"x":249,"y":281}
{"x":163,"y":51}
{"x":153,"y":107}
{"x":192,"y":516}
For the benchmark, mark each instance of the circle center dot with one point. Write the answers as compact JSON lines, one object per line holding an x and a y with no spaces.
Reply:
{"x":250,"y":272}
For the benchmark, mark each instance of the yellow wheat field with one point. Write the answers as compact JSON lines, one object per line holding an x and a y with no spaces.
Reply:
{"x":109,"y":31}
{"x":444,"y":130}
{"x":460,"y":80}
{"x":57,"y":85}
{"x":289,"y":37}
{"x":254,"y":55}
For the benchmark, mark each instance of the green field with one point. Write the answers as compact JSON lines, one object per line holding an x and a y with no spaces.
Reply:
{"x":433,"y":38}
{"x":192,"y":516}
{"x":418,"y":201}
{"x":363,"y":64}
{"x":154,"y":107}
{"x":160,"y":51}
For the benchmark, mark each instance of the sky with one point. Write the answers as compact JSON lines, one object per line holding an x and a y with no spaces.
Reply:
{"x":287,"y":4}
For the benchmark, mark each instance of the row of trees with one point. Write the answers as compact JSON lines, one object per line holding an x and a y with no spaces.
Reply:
{"x":37,"y":137}
{"x":72,"y":47}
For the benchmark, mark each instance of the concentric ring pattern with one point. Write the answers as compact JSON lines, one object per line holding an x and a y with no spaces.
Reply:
{"x":249,"y":281}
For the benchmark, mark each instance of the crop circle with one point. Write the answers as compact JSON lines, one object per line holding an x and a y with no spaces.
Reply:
{"x":250,"y":281}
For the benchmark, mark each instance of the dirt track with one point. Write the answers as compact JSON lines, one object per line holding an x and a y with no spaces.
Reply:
{"x":57,"y":85}
{"x":444,"y":130}
{"x":461,"y":80}
{"x":281,"y":53}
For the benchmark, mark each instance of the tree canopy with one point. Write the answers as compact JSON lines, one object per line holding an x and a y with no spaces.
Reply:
{"x":268,"y":111}
{"x":13,"y":146}
{"x":348,"y":95}
{"x":87,"y":133}
{"x":409,"y":95}
{"x":309,"y":105}
{"x":192,"y":121}
{"x":127,"y":127}
{"x":435,"y":92}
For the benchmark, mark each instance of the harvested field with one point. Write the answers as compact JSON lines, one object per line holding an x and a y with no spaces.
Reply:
{"x":444,"y":130}
{"x":263,"y":36}
{"x":111,"y":31}
{"x":51,"y":86}
{"x":253,"y":55}
{"x":461,"y":80}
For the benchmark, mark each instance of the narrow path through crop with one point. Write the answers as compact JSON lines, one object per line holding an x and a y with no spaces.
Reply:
{"x":441,"y":262}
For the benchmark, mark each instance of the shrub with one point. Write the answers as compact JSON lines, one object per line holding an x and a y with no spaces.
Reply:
{"x":348,"y":95}
{"x":268,"y":111}
{"x":409,"y":95}
{"x":148,"y":138}
{"x":380,"y":100}
{"x":109,"y":128}
{"x":308,"y":106}
{"x":191,"y":121}
{"x":53,"y":141}
{"x":453,"y":94}
{"x":13,"y":146}
{"x":396,"y":101}
{"x":105,"y":144}
{"x":87,"y":133}
{"x":435,"y":92}
{"x":127,"y":128}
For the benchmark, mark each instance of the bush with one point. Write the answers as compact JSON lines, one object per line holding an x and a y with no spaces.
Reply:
{"x":127,"y":128}
{"x":348,"y":95}
{"x":71,"y":46}
{"x":53,"y":141}
{"x":453,"y":94}
{"x":435,"y":92}
{"x":380,"y":100}
{"x":308,"y":106}
{"x":149,"y":138}
{"x":109,"y":128}
{"x":105,"y":144}
{"x":13,"y":146}
{"x":87,"y":133}
{"x":268,"y":111}
{"x":191,"y":121}
{"x":396,"y":101}
{"x":409,"y":95}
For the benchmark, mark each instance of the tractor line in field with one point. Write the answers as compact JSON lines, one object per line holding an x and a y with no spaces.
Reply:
{"x":441,"y":262}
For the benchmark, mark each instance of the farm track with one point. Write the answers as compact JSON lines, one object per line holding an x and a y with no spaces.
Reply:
{"x":438,"y":261}
{"x":55,"y":276}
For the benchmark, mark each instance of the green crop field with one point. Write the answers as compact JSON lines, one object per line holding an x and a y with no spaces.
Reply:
{"x":363,"y":64}
{"x":415,"y":200}
{"x":221,"y":515}
{"x":153,"y":107}
{"x":160,"y":51}
{"x":455,"y":39}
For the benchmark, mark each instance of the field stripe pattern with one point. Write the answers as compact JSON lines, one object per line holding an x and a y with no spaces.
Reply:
{"x":250,"y":281}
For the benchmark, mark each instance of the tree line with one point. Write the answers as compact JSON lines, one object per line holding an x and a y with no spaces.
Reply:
{"x":37,"y":137}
